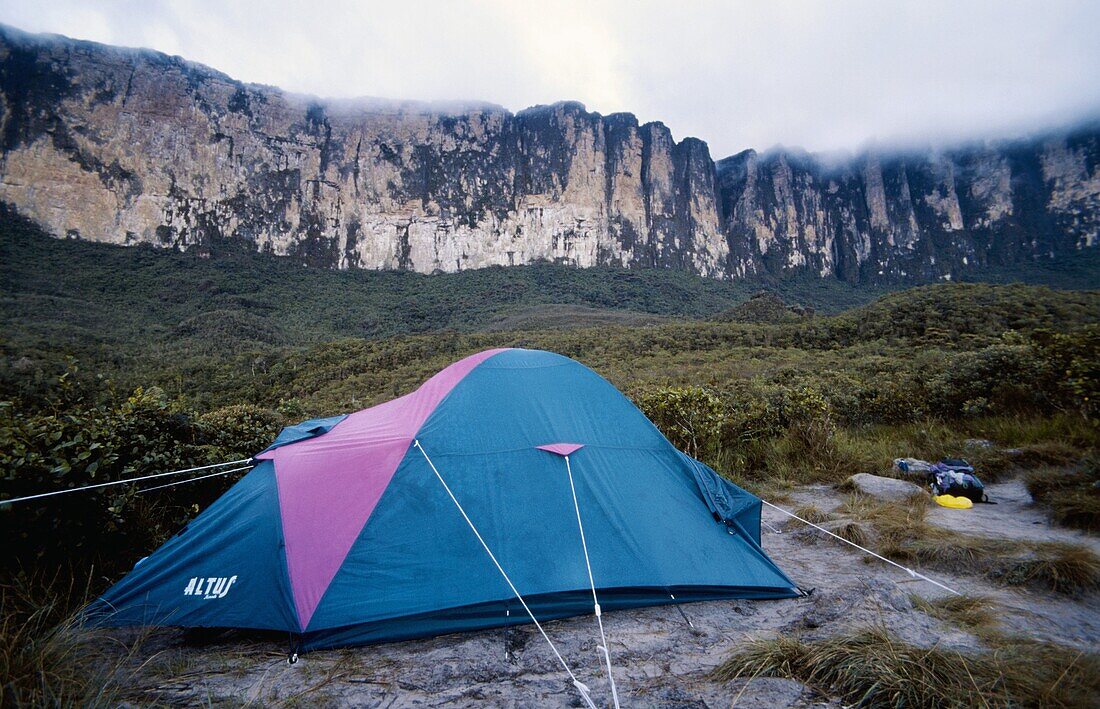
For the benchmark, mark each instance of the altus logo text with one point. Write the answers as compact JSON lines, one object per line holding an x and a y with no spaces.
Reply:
{"x":213,"y":587}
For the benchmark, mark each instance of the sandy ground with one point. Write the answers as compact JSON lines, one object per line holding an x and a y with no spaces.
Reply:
{"x":660,"y":660}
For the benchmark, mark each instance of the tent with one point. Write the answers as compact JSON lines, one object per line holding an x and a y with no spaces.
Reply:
{"x":449,"y":508}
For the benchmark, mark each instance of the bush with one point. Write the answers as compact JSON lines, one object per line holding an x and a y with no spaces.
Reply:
{"x":811,"y":429}
{"x":690,"y":417}
{"x":753,"y":413}
{"x":1071,"y":367}
{"x":112,"y":526}
{"x":240,"y":431}
{"x":995,"y":380}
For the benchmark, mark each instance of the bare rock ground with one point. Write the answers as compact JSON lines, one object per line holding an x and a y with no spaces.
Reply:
{"x":660,"y":660}
{"x":1012,"y":517}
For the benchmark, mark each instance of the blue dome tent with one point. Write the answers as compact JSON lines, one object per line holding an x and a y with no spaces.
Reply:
{"x":514,"y":486}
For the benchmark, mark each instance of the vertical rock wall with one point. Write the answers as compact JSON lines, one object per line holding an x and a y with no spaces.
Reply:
{"x":131,"y":146}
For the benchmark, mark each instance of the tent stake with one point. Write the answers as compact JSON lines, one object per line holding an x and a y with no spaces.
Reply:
{"x":682,"y":613}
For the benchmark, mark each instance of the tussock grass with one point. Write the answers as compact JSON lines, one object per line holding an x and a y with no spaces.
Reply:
{"x":885,"y":514}
{"x":992,"y":464}
{"x":1055,"y":440}
{"x":847,"y":485}
{"x":996,"y":464}
{"x":811,"y":513}
{"x":776,"y":491}
{"x":853,"y":532}
{"x":974,"y":613}
{"x":812,"y":454}
{"x":1061,"y":567}
{"x":872,"y":668}
{"x":1071,"y":497}
{"x":47,"y":658}
{"x":1048,"y":453}
{"x":1055,"y":566}
{"x":1038,"y":433}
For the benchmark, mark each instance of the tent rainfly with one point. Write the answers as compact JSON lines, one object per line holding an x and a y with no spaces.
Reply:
{"x":513,"y":486}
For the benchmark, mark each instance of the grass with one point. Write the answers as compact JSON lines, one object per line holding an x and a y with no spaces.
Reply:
{"x":1063,"y":568}
{"x":872,"y":668}
{"x":776,"y":491}
{"x":996,"y":464}
{"x":1020,"y":443}
{"x":811,"y":513}
{"x":852,"y":531}
{"x":886,"y":515}
{"x":47,"y":658}
{"x":972,"y":613}
{"x":1070,"y":496}
{"x":1026,"y":431}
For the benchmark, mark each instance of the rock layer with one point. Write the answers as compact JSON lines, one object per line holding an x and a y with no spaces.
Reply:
{"x":132,"y":146}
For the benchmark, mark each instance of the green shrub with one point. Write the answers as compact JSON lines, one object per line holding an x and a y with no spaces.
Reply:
{"x":240,"y":431}
{"x":113,"y":526}
{"x":811,"y":429}
{"x":690,"y":417}
{"x":1071,"y":367}
{"x":997,"y":379}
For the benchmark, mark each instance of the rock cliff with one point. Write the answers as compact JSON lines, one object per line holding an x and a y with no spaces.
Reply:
{"x":132,"y":146}
{"x":914,"y":215}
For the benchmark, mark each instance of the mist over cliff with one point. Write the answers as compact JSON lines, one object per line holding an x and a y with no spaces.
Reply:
{"x":132,"y":146}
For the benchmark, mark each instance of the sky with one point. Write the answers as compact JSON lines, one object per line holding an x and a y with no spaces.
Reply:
{"x":827,"y":76}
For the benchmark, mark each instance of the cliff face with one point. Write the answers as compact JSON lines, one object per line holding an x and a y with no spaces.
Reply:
{"x":130,"y":146}
{"x":919,"y":216}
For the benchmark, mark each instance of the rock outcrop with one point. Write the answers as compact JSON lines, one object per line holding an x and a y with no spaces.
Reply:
{"x":132,"y":146}
{"x":883,"y":488}
{"x":916,"y":215}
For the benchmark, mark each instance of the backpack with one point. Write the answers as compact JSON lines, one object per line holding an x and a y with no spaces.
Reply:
{"x":952,"y":476}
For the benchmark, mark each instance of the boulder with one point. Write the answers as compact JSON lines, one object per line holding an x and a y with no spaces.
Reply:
{"x":912,"y":467}
{"x":883,"y":488}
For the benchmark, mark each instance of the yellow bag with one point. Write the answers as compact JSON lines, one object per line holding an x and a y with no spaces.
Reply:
{"x":955,"y":503}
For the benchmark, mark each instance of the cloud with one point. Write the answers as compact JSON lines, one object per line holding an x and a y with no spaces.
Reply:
{"x":824,"y":76}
